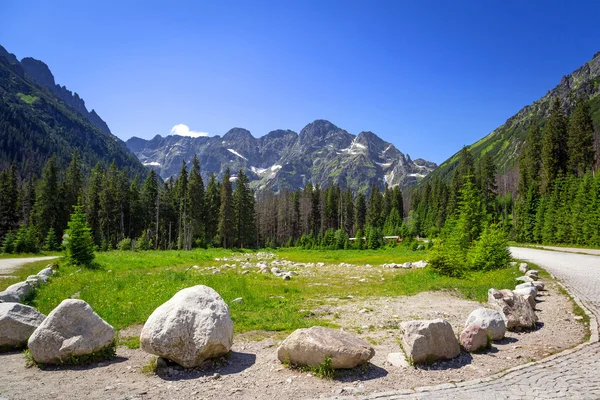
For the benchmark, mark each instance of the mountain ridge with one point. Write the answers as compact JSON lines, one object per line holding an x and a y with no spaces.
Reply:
{"x":322,"y":153}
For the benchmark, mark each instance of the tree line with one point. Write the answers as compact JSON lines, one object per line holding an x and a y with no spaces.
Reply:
{"x":557,"y":199}
{"x":183,"y":212}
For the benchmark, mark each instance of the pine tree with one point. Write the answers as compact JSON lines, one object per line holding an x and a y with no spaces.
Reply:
{"x":464,"y":168}
{"x":486,"y":181}
{"x":213,"y":207}
{"x":226,"y":214}
{"x":554,"y":147}
{"x":374,"y":218}
{"x":581,"y":139}
{"x":80,"y":245}
{"x":361,"y":211}
{"x":47,"y":211}
{"x":50,"y":243}
{"x":93,"y":202}
{"x":72,"y":185}
{"x":150,"y":205}
{"x":243,"y":205}
{"x":9,"y":200}
{"x":196,"y":200}
{"x":181,"y":185}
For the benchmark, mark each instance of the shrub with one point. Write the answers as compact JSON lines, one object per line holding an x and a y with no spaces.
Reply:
{"x":449,"y":258}
{"x":25,"y":241}
{"x":8,"y":244}
{"x":143,"y":242}
{"x":490,"y":251}
{"x":124,"y":245}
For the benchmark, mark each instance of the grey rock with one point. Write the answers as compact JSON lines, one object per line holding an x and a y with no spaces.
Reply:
{"x":22,"y":290}
{"x":523,"y":267}
{"x":539,"y":285}
{"x":310,"y":347}
{"x":426,"y":341}
{"x":489,"y":319}
{"x":9,"y":297}
{"x":525,"y":285}
{"x":532,"y":273}
{"x":17,"y":323}
{"x":397,"y":360}
{"x":194,"y":325}
{"x":524,"y":279}
{"x":71,"y":329}
{"x":526,"y":291}
{"x":516,"y":311}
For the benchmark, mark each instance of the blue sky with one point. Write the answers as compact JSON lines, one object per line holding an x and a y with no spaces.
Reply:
{"x":428,"y":76}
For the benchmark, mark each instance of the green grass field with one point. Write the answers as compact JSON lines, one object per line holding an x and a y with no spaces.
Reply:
{"x":126,"y":287}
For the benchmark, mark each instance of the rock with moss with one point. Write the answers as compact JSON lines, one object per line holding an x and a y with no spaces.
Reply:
{"x":312,"y":346}
{"x":429,"y":341}
{"x":516,"y":311}
{"x":17,"y":323}
{"x":72,"y":331}
{"x":191,"y":327}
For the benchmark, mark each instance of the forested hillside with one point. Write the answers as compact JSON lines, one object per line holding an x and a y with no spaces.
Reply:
{"x":35,"y":124}
{"x":506,"y":142}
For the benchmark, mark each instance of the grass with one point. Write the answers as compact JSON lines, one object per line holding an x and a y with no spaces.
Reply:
{"x":127,"y":286}
{"x":29,"y":99}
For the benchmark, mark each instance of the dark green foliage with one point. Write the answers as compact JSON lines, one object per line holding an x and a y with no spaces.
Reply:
{"x":581,"y":140}
{"x":554,"y":146}
{"x":243,"y":209}
{"x":80,"y":246}
{"x":50,"y":242}
{"x":9,"y":204}
{"x":490,"y":251}
{"x":26,"y":240}
{"x":196,"y":201}
{"x":125,"y":245}
{"x":213,"y":207}
{"x":226,"y":228}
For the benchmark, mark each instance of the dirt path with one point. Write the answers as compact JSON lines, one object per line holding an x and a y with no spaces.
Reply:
{"x":593,"y":252}
{"x":9,"y":265}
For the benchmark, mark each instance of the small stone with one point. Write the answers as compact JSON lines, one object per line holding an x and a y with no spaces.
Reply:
{"x":397,"y":360}
{"x":216,"y":376}
{"x":238,"y":300}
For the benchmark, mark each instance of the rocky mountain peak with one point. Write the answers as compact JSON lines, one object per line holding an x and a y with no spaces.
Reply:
{"x":9,"y":56}
{"x":38,"y":71}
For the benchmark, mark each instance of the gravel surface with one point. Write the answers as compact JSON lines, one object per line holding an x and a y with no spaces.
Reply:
{"x":253,"y":372}
{"x":9,"y":265}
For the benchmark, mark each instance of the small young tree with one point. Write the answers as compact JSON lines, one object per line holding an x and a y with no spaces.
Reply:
{"x":80,"y":245}
{"x":50,"y":243}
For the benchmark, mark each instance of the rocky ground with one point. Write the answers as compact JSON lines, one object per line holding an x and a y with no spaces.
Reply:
{"x":252,"y":370}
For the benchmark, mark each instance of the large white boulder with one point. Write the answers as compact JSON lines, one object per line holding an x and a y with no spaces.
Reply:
{"x":489,"y":319}
{"x":310,"y":347}
{"x":517,"y":312}
{"x":427,"y":341}
{"x":71,"y":329}
{"x":9,"y":297}
{"x":526,"y":291}
{"x":194,"y":325}
{"x":523,"y":267}
{"x":17,"y":323}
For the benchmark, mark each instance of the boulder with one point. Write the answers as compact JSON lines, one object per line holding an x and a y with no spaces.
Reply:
{"x":192,"y":326}
{"x":532,"y":273}
{"x":427,"y":341}
{"x":489,"y":319}
{"x":9,"y":297}
{"x":524,"y":279}
{"x":474,"y":338}
{"x":47,"y":272}
{"x":71,"y":329}
{"x":539,"y":285}
{"x":34,"y":280}
{"x":525,"y":285}
{"x":310,"y":347}
{"x":523,"y":267}
{"x":530,"y":299}
{"x":516,"y":311}
{"x":17,"y":323}
{"x":21,"y":290}
{"x":526,"y":291}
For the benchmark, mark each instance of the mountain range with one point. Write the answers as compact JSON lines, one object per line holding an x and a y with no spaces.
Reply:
{"x":321,"y":153}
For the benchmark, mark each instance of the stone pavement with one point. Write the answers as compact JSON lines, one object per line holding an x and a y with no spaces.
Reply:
{"x":571,"y":374}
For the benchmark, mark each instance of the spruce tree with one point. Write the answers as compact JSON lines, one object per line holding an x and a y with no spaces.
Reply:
{"x":196,"y":200}
{"x":361,"y":211}
{"x":93,"y":202}
{"x":581,"y":139}
{"x":9,"y":200}
{"x":150,"y":204}
{"x":374,"y":218}
{"x":182,"y":207}
{"x":554,"y":147}
{"x":243,"y":205}
{"x":226,"y":214}
{"x":47,"y":211}
{"x":213,"y":207}
{"x":80,"y":245}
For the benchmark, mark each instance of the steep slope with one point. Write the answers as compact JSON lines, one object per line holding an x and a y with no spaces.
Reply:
{"x":505,"y":142}
{"x":282,"y":160}
{"x":35,"y":123}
